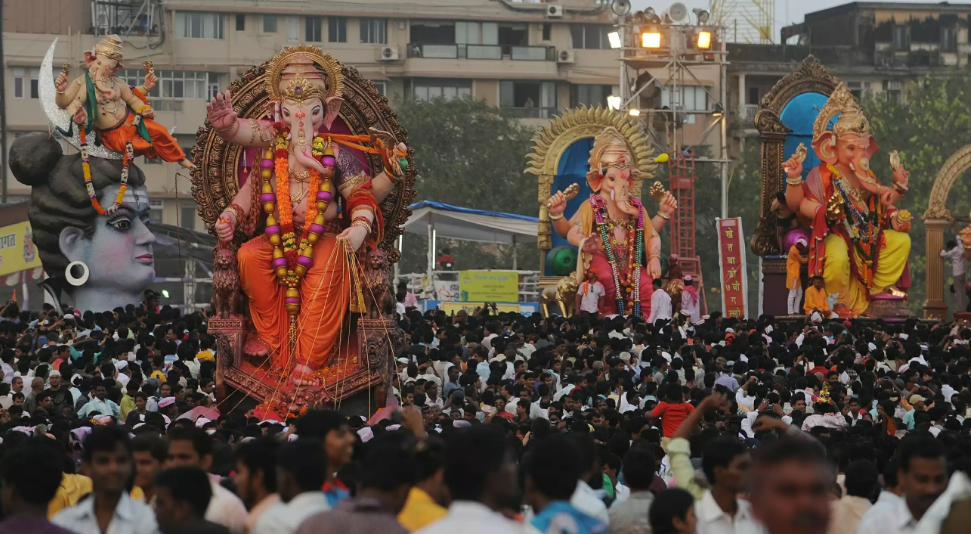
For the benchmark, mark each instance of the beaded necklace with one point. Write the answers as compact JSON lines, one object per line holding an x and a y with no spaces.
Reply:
{"x":630,"y":292}
{"x":292,"y":258}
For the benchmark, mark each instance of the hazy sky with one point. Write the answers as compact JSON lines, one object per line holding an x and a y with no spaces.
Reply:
{"x":786,"y":11}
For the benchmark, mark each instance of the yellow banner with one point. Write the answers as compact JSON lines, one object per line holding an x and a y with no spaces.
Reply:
{"x":490,"y":286}
{"x":470,"y":307}
{"x":17,"y":250}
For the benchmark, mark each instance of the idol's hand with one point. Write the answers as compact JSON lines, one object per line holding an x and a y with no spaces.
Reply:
{"x":151,"y":80}
{"x":355,"y":235}
{"x":220,"y":112}
{"x":668,"y":205}
{"x":901,"y":221}
{"x":556,"y":204}
{"x":79,"y":114}
{"x":149,"y":113}
{"x":61,"y":82}
{"x":793,"y":167}
{"x":654,"y":267}
{"x":901,"y":176}
{"x":225,"y":226}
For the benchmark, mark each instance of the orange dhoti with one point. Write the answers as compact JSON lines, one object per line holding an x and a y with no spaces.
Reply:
{"x":324,"y":298}
{"x":163,"y":145}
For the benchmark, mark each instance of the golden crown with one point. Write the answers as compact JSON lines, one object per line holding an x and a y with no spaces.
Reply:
{"x":610,"y":150}
{"x":303,"y":59}
{"x":851,"y":119}
{"x":300,"y":89}
{"x":109,"y":47}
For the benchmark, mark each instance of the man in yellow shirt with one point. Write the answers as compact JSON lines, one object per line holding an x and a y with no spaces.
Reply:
{"x":427,"y":497}
{"x":794,"y":263}
{"x":816,"y":298}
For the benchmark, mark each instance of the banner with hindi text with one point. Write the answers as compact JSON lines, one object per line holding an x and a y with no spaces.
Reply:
{"x":17,"y":250}
{"x":731,"y":267}
{"x":490,"y":286}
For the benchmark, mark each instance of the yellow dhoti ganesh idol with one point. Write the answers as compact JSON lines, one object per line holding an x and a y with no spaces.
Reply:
{"x":859,"y":243}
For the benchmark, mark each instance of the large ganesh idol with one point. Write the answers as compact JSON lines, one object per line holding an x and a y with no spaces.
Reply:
{"x":859,"y":242}
{"x":612,"y":229}
{"x":312,"y":194}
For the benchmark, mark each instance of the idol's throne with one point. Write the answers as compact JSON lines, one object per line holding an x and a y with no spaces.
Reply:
{"x":785,"y":119}
{"x":358,"y":378}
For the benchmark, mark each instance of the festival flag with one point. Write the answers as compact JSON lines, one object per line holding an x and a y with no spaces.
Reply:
{"x":731,"y":266}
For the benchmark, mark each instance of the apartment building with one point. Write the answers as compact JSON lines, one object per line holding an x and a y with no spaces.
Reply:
{"x":876,"y":48}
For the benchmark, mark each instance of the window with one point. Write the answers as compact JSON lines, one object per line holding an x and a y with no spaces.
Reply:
{"x":547,"y":31}
{"x":374,"y":31}
{"x":381,"y":86}
{"x":189,"y":25}
{"x":858,"y":88}
{"x":34,"y":83}
{"x":591,"y":95}
{"x":293,"y":28}
{"x":26,"y":83}
{"x":152,"y":161}
{"x":589,"y":36}
{"x":157,"y":208}
{"x":529,"y":99}
{"x":187,"y":218}
{"x":240,"y":23}
{"x":269,"y":23}
{"x":337,"y":30}
{"x":949,"y":40}
{"x":901,"y":38}
{"x":425,"y":89}
{"x":19,"y":77}
{"x":753,"y":96}
{"x":179,"y":84}
{"x":314,"y":31}
{"x":692,"y":98}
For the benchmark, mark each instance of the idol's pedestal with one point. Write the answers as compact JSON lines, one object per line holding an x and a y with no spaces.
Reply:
{"x":888,"y":307}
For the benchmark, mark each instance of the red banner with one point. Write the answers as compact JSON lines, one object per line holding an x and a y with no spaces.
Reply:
{"x":731,"y":264}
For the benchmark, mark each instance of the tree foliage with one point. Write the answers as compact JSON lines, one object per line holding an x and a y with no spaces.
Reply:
{"x":471,"y":155}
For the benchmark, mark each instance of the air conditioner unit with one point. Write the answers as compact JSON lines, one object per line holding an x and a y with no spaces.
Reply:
{"x":566,"y":56}
{"x":388,"y":53}
{"x":554,"y":11}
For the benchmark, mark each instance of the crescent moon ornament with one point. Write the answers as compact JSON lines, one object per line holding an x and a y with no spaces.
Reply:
{"x":59,"y":118}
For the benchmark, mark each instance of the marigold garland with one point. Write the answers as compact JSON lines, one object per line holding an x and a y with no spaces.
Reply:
{"x":89,"y":184}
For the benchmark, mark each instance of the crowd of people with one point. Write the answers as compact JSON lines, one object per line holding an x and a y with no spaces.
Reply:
{"x":507,"y":423}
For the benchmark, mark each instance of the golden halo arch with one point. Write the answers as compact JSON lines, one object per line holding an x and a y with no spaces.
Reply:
{"x":936,"y":219}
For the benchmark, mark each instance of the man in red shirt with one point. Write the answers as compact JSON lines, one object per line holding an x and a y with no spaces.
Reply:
{"x":672,"y":412}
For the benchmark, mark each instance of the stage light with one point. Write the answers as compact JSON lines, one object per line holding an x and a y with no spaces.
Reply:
{"x":702,"y":15}
{"x":651,"y":39}
{"x":704,"y":40}
{"x":614,"y":38}
{"x":634,"y":112}
{"x":165,"y":293}
{"x":613,"y":102}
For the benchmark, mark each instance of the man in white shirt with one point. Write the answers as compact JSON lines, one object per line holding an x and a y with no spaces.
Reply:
{"x":660,"y":304}
{"x":589,"y":294}
{"x":108,"y":461}
{"x":922,"y":474}
{"x":954,"y":251}
{"x":690,"y":300}
{"x":192,"y":446}
{"x":479,"y":475}
{"x":301,"y":473}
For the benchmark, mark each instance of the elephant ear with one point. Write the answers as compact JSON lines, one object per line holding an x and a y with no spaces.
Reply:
{"x":872,"y":146}
{"x":825,"y":147}
{"x":117,"y":69}
{"x":89,"y":58}
{"x":333,"y":109}
{"x":595,"y":180}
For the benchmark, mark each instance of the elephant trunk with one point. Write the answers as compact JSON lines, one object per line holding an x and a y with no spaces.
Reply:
{"x":100,"y":81}
{"x":624,"y":204}
{"x":304,"y":154}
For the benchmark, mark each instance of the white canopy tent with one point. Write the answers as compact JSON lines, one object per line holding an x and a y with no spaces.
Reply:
{"x":453,"y":222}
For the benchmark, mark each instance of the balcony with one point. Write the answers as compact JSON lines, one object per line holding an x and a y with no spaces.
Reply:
{"x":531,"y":112}
{"x":470,"y":51}
{"x":750,"y":111}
